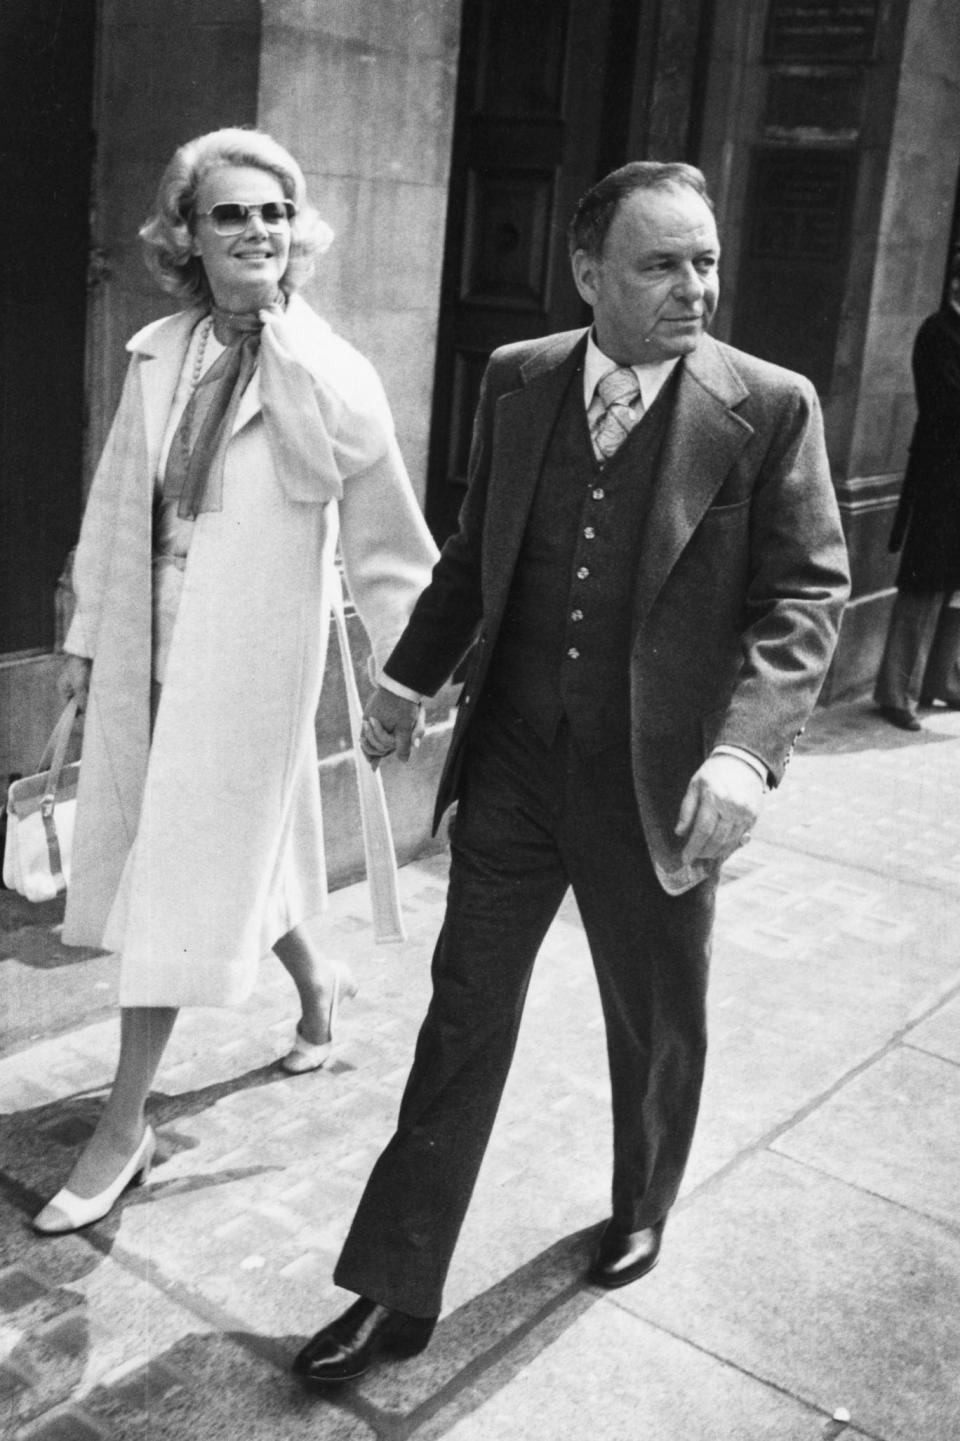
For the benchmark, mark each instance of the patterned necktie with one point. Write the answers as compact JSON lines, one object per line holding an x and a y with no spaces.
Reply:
{"x":618,"y":389}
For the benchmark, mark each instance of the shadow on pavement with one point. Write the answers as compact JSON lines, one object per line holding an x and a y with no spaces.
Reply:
{"x":477,"y":1349}
{"x":235,"y":1383}
{"x":37,"y":1145}
{"x":846,"y":728}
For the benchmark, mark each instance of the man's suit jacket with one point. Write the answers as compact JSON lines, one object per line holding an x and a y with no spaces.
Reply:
{"x":740,"y":584}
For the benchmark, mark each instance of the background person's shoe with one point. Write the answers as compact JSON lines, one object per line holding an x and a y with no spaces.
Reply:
{"x":343,"y":1350}
{"x":904,"y":719}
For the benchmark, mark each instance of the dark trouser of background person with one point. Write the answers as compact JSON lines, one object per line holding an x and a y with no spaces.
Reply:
{"x":921,"y":658}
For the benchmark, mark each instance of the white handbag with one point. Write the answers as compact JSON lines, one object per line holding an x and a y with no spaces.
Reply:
{"x":40,"y":816}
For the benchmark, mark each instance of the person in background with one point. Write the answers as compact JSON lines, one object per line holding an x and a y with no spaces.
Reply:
{"x":650,"y":568}
{"x":921,"y":658}
{"x":249,"y":439}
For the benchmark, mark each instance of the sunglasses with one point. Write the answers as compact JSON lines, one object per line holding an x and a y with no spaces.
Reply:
{"x":231,"y":217}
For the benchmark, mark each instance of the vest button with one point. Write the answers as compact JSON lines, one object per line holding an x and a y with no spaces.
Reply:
{"x":599,"y":493}
{"x":582,"y":573}
{"x":576,"y":614}
{"x":589,"y":533}
{"x":573,"y":653}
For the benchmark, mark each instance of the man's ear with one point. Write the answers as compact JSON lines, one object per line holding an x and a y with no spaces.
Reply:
{"x":585,"y":275}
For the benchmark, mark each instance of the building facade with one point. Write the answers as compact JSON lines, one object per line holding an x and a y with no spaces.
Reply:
{"x":446,"y":141}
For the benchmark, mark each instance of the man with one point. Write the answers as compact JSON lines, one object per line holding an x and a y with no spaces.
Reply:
{"x":650,"y":569}
{"x":920,"y":661}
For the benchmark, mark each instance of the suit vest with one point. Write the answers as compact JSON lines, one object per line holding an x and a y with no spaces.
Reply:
{"x":563,"y":648}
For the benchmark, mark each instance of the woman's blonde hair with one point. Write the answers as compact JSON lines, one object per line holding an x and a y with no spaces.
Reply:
{"x":167,"y":235}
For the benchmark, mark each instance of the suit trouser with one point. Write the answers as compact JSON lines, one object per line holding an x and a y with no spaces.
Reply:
{"x":532,"y":820}
{"x":914,"y":663}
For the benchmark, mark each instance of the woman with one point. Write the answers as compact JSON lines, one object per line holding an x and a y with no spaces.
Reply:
{"x":248,"y":438}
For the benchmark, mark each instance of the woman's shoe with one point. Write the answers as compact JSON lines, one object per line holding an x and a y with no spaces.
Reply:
{"x":67,"y":1212}
{"x":308,"y":1057}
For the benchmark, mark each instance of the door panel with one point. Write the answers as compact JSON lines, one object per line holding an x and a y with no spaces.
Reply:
{"x":527,"y":141}
{"x":46,"y":144}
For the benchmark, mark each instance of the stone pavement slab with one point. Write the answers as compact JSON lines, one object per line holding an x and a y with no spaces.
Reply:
{"x":814,"y":971}
{"x":42,"y":986}
{"x":891,"y":1130}
{"x":940,"y":1033}
{"x":811,"y":1264}
{"x":820,"y":1289}
{"x":879,"y":798}
{"x":606,"y":1373}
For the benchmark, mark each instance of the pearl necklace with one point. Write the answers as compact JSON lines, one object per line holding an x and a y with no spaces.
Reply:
{"x":205,"y":328}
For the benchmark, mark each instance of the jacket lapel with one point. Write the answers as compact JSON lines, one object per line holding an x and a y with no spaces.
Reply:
{"x":524,"y":422}
{"x":704,"y":439}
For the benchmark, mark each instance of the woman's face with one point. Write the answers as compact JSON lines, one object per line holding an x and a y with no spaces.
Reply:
{"x":243,"y":271}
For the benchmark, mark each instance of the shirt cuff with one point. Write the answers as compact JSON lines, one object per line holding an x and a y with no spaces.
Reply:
{"x":754,"y":761}
{"x":395,"y":688}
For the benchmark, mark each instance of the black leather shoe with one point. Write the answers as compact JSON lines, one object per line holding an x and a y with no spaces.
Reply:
{"x":343,"y":1350}
{"x":905,"y":719}
{"x":625,"y":1256}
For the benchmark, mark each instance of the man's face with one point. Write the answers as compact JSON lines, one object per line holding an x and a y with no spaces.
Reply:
{"x":654,"y":288}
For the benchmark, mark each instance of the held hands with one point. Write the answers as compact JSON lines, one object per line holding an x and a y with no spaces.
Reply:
{"x":391,"y":724}
{"x":74,"y":680}
{"x":721,"y":805}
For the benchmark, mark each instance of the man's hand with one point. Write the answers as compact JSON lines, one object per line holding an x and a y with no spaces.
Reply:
{"x":721,"y":805}
{"x":74,"y":680}
{"x":390,"y":724}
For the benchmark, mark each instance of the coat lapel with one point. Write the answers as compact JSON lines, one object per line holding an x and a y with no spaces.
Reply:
{"x":523,"y":423}
{"x":161,"y":347}
{"x":703,"y":442}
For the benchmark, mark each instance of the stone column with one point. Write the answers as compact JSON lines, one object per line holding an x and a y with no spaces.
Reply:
{"x":363,"y":95}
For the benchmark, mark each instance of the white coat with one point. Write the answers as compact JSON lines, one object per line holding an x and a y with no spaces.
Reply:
{"x":196,"y":849}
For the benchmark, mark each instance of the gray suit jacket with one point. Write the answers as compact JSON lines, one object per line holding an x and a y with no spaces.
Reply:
{"x":740,"y":584}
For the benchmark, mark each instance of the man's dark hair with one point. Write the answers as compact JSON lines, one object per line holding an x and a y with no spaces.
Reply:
{"x":595,"y":211}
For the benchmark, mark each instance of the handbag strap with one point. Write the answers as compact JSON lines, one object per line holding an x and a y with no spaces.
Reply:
{"x":374,"y":819}
{"x":54,"y":755}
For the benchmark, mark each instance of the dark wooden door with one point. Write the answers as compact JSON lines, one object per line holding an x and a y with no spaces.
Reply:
{"x":46,"y":144}
{"x":531,"y":134}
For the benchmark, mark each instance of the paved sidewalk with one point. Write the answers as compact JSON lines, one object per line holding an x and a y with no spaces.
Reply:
{"x":810,"y":1280}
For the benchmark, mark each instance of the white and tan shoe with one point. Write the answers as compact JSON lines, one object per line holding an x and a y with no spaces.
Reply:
{"x":67,"y":1212}
{"x":306,"y":1056}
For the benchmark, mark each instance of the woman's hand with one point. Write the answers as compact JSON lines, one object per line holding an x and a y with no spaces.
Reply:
{"x":74,"y":680}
